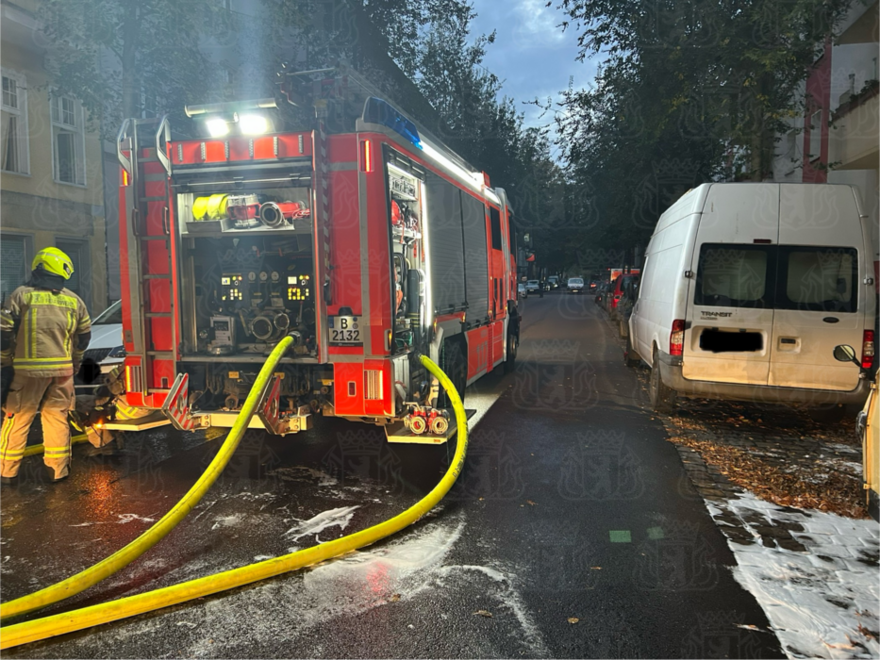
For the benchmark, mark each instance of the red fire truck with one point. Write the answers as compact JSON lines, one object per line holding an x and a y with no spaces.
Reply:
{"x":370,"y":245}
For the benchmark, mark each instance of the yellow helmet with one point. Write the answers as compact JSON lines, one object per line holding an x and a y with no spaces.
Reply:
{"x":53,"y":261}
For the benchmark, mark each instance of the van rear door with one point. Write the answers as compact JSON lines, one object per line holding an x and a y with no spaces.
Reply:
{"x":817,"y":292}
{"x":729,"y":312}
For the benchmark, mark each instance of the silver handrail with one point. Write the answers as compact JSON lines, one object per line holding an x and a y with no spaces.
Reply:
{"x":121,"y":136}
{"x":164,"y":131}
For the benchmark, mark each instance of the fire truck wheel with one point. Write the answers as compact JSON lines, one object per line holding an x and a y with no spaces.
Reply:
{"x":455,"y":365}
{"x":512,"y":346}
{"x":418,"y":425}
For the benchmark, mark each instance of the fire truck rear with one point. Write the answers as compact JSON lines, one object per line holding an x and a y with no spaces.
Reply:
{"x":369,"y":245}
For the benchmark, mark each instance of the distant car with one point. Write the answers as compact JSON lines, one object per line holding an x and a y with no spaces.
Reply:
{"x":533,"y":286}
{"x":576,"y":284}
{"x":521,"y":290}
{"x":553,"y":281}
{"x":594,"y":285}
{"x":601,"y":290}
{"x":105,"y":349}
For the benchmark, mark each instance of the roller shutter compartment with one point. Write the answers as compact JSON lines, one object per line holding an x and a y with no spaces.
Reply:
{"x":476,"y":259}
{"x":445,"y":244}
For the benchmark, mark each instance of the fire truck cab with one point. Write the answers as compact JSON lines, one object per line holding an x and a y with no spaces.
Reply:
{"x":369,"y":246}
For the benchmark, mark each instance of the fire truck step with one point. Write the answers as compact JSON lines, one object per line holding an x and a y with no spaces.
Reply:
{"x":163,"y":237}
{"x":158,"y":315}
{"x":154,"y":198}
{"x":162,"y":355}
{"x":157,"y":277}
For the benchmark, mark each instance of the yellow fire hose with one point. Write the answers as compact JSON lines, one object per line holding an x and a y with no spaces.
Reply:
{"x":60,"y":624}
{"x":38,"y":449}
{"x":122,"y":558}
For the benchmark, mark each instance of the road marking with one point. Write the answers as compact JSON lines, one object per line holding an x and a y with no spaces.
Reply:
{"x":655,"y":533}
{"x":620,"y":536}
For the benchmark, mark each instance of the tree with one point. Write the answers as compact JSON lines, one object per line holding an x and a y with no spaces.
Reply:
{"x":735,"y":66}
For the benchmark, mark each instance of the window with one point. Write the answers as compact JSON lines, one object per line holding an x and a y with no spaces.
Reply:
{"x":495,"y":221}
{"x":511,"y":229}
{"x":15,"y":155}
{"x":815,"y":134}
{"x":818,"y":279}
{"x":68,"y":140}
{"x":15,"y":263}
{"x":733,"y":275}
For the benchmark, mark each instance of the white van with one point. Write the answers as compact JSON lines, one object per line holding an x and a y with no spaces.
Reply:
{"x":748,"y":287}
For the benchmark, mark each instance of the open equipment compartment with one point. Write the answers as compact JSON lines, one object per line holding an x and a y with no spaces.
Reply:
{"x":248,"y":275}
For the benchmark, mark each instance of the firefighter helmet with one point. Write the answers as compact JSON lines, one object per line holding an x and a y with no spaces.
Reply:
{"x":53,"y":261}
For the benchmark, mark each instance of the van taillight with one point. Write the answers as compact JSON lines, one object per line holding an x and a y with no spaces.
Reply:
{"x":676,"y":337}
{"x":868,"y":349}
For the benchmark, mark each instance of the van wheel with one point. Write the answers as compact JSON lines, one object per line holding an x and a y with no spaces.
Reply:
{"x":454,"y":364}
{"x":630,"y":358}
{"x":662,"y":397}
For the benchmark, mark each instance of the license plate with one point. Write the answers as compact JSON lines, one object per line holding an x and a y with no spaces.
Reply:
{"x":345,"y":330}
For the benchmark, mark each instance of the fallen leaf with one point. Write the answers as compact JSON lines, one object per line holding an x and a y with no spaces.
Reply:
{"x":394,"y":598}
{"x":485,"y":613}
{"x":530,"y":502}
{"x":573,"y":619}
{"x":595,"y":568}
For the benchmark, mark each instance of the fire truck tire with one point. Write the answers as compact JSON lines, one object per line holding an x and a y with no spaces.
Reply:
{"x":455,"y":363}
{"x":67,"y":622}
{"x":512,"y":346}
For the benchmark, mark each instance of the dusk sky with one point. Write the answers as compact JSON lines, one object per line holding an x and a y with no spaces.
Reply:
{"x":533,"y":56}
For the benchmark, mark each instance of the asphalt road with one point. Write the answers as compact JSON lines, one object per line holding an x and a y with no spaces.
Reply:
{"x":572,"y":532}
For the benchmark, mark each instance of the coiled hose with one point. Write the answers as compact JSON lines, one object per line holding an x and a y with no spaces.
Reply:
{"x":60,"y":624}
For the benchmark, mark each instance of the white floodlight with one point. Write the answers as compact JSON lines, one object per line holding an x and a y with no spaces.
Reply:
{"x":217,"y":127}
{"x":253,"y":124}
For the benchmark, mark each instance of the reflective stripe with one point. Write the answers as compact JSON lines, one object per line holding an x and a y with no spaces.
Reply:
{"x":12,"y":453}
{"x":56,"y":453}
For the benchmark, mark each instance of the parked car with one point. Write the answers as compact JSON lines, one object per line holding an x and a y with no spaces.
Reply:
{"x":105,"y":349}
{"x":626,"y":302}
{"x":746,"y":290}
{"x":868,"y":429}
{"x":553,"y":281}
{"x":575,"y":285}
{"x":618,"y":286}
{"x":533,"y":286}
{"x":521,"y":290}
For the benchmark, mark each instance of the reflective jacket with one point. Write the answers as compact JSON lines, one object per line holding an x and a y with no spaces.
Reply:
{"x":49,"y":331}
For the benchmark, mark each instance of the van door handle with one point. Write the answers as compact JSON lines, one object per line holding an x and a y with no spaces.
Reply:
{"x":831,"y":319}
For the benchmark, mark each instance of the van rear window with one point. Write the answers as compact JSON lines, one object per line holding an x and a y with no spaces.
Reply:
{"x":820,"y":279}
{"x":734,"y":275}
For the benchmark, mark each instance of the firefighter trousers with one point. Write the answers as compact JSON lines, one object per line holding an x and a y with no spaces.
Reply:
{"x":53,"y":398}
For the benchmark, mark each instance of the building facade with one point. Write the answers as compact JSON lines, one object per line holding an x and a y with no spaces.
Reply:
{"x":51,"y":172}
{"x":838,"y":138}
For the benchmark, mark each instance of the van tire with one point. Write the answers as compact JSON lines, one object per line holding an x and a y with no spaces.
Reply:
{"x":630,"y":358}
{"x":662,"y":397}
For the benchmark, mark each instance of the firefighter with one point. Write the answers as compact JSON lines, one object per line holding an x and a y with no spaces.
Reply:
{"x":45,"y":330}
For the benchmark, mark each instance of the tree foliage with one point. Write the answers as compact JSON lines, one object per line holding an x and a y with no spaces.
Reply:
{"x":689,"y":90}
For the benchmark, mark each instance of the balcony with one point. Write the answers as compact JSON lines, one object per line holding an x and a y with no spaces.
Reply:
{"x":855,"y":133}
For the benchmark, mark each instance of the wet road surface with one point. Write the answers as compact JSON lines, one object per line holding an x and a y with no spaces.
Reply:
{"x":572,"y":532}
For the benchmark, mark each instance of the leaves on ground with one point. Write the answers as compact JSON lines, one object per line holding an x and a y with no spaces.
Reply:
{"x":485,"y":613}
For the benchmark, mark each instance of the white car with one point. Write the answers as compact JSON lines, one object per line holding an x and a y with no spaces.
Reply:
{"x":521,"y":290}
{"x":575,"y":285}
{"x":533,"y":286}
{"x":105,"y":349}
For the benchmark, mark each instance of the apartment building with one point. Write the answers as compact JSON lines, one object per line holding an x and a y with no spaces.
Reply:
{"x":51,"y":187}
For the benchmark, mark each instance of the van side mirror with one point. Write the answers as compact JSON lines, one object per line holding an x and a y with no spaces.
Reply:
{"x":845,"y":353}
